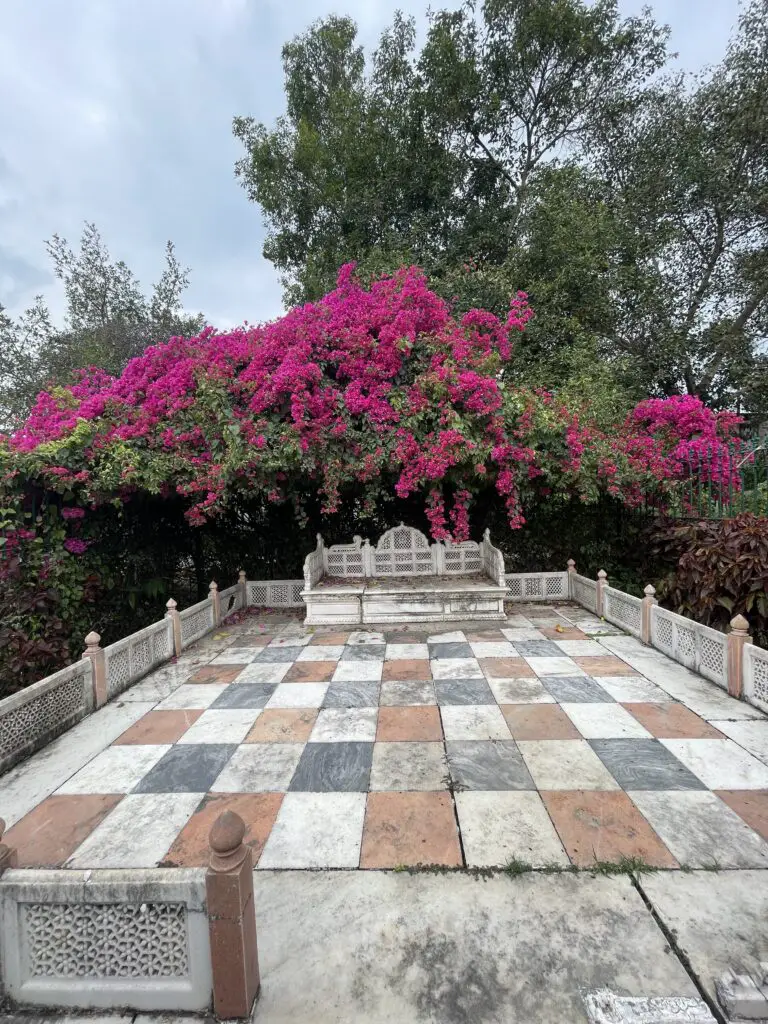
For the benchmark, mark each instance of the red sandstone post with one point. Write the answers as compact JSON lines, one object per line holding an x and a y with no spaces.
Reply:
{"x":602,"y":583}
{"x":232,"y":919}
{"x":173,"y":615}
{"x":736,"y":641}
{"x":645,"y":613}
{"x":98,"y":668}
{"x":8,"y":856}
{"x":213,"y":593}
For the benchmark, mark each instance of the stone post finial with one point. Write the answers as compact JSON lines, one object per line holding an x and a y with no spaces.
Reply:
{"x":173,"y":615}
{"x":8,"y":855}
{"x":242,"y":583}
{"x":232,"y":919}
{"x":736,"y":641}
{"x":241,"y":576}
{"x":571,"y":565}
{"x":213,"y":593}
{"x":602,"y":583}
{"x":95,"y":654}
{"x":645,"y":613}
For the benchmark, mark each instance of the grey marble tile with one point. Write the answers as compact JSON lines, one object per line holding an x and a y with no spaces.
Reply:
{"x":450,"y":650}
{"x":277,"y":654}
{"x":537,"y":648}
{"x":363,"y":652}
{"x":639,"y":764}
{"x":245,"y":695}
{"x":463,"y":691}
{"x":492,"y":765}
{"x":576,"y":690}
{"x":352,"y":695}
{"x":333,"y":767}
{"x":187,"y":769}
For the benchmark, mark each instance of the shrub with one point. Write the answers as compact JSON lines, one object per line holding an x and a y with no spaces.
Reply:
{"x":720,"y":570}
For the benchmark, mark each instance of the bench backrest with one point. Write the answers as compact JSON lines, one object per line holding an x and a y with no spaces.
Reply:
{"x":404,"y":551}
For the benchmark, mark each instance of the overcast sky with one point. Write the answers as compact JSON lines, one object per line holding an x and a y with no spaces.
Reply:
{"x":120,"y":111}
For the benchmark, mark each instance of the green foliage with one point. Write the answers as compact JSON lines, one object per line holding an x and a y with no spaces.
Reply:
{"x":108,"y":321}
{"x":531,"y":144}
{"x":719,"y":570}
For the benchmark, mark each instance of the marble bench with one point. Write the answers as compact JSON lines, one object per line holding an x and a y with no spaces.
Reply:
{"x":404,"y":578}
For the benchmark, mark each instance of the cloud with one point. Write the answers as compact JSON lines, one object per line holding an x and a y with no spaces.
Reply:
{"x":121,"y":113}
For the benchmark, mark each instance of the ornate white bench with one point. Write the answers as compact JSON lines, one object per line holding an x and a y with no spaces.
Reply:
{"x":404,"y":578}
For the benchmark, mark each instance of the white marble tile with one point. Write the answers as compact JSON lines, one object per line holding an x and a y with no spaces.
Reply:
{"x":604,"y":721}
{"x":515,"y":621}
{"x":221,"y":726}
{"x":555,"y":667}
{"x":321,"y":652}
{"x":634,"y":690}
{"x":291,"y":640}
{"x":456,"y":668}
{"x":474,"y":722}
{"x":29,"y":783}
{"x":116,"y":769}
{"x":581,"y":648}
{"x":193,"y":695}
{"x":753,"y":736}
{"x":700,"y":830}
{"x":365,"y":636}
{"x":520,"y":691}
{"x":456,"y":636}
{"x":358,"y":671}
{"x":598,"y":629}
{"x":500,"y":649}
{"x":495,"y":827}
{"x":265,"y":672}
{"x":408,"y":767}
{"x":237,"y":656}
{"x":515,"y":634}
{"x":137,"y":833}
{"x":720,"y":764}
{"x":316,"y":830}
{"x":259,"y":768}
{"x":339,"y":725}
{"x":403,"y":652}
{"x":298,"y":695}
{"x":565,"y":764}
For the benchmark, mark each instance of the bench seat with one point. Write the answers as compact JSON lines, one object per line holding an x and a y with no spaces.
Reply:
{"x":343,"y":586}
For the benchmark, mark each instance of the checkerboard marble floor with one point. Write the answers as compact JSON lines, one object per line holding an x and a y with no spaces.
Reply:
{"x":550,"y":738}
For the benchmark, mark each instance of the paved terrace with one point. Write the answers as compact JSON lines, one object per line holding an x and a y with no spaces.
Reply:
{"x":552,"y":740}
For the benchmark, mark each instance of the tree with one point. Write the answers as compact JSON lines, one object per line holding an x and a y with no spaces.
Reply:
{"x":108,"y":321}
{"x":434,"y":155}
{"x":688,"y":175}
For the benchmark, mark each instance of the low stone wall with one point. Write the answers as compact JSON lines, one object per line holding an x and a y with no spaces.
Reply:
{"x":729,"y":660}
{"x":90,"y":939}
{"x":34,"y":716}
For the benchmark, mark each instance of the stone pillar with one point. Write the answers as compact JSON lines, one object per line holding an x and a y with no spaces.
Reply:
{"x":602,"y":583}
{"x":571,"y":571}
{"x":232,"y":919}
{"x":243,"y":584}
{"x":173,"y":615}
{"x":8,"y":856}
{"x":645,"y":613}
{"x":98,"y":668}
{"x":213,"y":593}
{"x":737,"y":638}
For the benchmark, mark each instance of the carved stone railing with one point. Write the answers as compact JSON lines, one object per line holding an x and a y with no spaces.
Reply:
{"x":537,"y":586}
{"x":623,"y":610}
{"x":698,"y":647}
{"x":129,"y":659}
{"x":196,"y":621}
{"x":108,"y":939}
{"x":756,"y":676}
{"x":34,"y":716}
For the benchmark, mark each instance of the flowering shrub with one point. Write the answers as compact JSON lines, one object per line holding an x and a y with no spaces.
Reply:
{"x":367,"y":389}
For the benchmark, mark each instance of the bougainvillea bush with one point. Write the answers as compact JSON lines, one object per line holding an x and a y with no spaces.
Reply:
{"x":380,"y":387}
{"x":373,"y":392}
